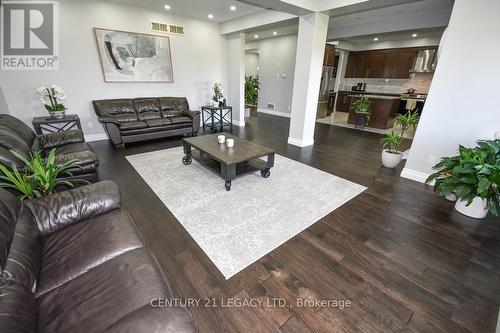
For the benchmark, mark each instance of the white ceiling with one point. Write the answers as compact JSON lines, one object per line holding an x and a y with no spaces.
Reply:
{"x":198,"y":8}
{"x":434,"y":33}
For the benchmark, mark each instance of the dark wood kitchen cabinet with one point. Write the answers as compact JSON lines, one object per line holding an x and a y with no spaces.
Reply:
{"x":343,"y":101}
{"x":388,"y":64}
{"x":329,"y":58}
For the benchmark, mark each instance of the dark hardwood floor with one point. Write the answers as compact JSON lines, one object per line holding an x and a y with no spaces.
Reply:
{"x":404,"y":258}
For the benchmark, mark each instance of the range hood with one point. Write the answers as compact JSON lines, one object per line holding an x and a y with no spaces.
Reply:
{"x":425,"y":62}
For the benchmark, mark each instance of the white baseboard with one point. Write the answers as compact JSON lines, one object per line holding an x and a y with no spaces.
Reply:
{"x":274,"y":113}
{"x":414,"y":175}
{"x":300,"y":143}
{"x":96,"y":137}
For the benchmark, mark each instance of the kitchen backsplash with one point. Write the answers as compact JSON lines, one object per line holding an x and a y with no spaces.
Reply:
{"x":420,"y":82}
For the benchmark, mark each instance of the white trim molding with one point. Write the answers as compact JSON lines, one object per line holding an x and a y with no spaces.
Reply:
{"x":300,"y":143}
{"x":96,"y":137}
{"x":414,"y":175}
{"x":274,"y":113}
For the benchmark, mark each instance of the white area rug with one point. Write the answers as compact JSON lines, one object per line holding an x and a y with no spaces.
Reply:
{"x":237,"y":228}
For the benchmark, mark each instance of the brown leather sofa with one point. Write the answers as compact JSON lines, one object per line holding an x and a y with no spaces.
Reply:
{"x":140,"y":119}
{"x":75,"y":262}
{"x":16,"y":135}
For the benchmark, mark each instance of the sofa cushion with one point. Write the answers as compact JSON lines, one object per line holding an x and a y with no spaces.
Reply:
{"x":10,"y":140}
{"x":146,"y":104}
{"x":181,"y":120}
{"x":99,"y":298}
{"x":171,"y":113}
{"x":179,"y":104}
{"x":10,"y":208}
{"x":25,"y":253}
{"x":18,"y":309}
{"x":149,"y":115}
{"x":19,"y":127}
{"x":114,"y":106}
{"x":158,"y":122}
{"x":125,"y":117}
{"x":133,"y":125}
{"x":73,"y":251}
{"x":80,"y":151}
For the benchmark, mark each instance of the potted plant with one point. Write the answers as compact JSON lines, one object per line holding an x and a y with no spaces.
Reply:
{"x":40,"y":177}
{"x":252,"y":87}
{"x":362,"y":109}
{"x":391,"y":155}
{"x":473,"y":176}
{"x":50,"y":98}
{"x":217,"y":95}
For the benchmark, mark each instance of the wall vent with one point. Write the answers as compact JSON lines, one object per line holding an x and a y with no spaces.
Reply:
{"x":167,"y":28}
{"x":271,"y":106}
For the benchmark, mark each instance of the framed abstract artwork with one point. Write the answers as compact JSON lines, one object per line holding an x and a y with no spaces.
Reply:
{"x":134,"y":57}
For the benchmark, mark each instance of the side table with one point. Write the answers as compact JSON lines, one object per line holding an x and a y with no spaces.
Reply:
{"x":48,"y":124}
{"x":216,"y":116}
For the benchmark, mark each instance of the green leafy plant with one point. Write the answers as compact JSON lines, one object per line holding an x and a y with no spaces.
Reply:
{"x":41,"y":176}
{"x":407,"y":121}
{"x":362,"y":105}
{"x":217,"y":92}
{"x":252,"y":87}
{"x":391,"y":142}
{"x":475,"y":172}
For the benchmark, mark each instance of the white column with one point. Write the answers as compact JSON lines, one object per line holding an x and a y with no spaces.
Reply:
{"x":307,"y":80}
{"x":236,"y":77}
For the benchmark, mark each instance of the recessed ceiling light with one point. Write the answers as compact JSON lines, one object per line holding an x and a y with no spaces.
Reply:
{"x":275,"y":33}
{"x":375,"y":39}
{"x":167,"y":7}
{"x":256,"y":36}
{"x":233,"y":8}
{"x":210,"y":16}
{"x":414,"y":35}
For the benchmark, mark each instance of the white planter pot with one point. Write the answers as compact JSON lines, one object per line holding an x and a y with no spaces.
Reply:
{"x":247,"y":112}
{"x":390,"y":160}
{"x":451,"y":197}
{"x":478,"y":209}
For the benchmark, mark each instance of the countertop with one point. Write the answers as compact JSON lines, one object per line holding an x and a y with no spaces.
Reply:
{"x":369,"y":93}
{"x":376,"y":96}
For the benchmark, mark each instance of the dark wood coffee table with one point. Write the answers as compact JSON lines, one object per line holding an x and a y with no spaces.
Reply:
{"x":229,"y":163}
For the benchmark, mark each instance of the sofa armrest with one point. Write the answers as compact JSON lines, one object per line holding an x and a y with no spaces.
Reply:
{"x":57,"y":211}
{"x":53,"y":140}
{"x":191,"y":114}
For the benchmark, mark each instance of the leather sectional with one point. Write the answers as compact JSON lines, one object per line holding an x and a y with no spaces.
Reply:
{"x":16,"y":135}
{"x":140,"y":119}
{"x":75,"y":262}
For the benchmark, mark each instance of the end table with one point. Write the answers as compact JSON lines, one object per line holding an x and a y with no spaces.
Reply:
{"x":43,"y":125}
{"x":217,"y":115}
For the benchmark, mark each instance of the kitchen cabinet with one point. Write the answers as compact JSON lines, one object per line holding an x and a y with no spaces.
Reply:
{"x":329,"y":58}
{"x":389,"y":64}
{"x":343,"y":101}
{"x":383,"y":110}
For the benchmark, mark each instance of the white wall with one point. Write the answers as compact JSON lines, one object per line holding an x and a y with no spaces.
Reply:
{"x":197,"y":57}
{"x":251,"y":63}
{"x":460,"y":108}
{"x":276,"y":57}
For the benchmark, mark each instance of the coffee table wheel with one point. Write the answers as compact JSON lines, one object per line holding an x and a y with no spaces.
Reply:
{"x":228,"y":185}
{"x":187,"y":160}
{"x":265,"y":173}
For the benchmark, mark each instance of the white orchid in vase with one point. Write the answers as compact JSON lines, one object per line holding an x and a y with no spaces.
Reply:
{"x":50,"y":98}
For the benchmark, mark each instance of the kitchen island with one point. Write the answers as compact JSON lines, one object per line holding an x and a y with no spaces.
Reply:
{"x":383,"y":110}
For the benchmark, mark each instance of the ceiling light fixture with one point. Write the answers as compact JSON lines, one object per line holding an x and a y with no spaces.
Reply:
{"x":210,"y":16}
{"x":375,"y":39}
{"x":167,"y":7}
{"x":275,"y":33}
{"x":233,"y":8}
{"x":414,"y":35}
{"x":256,"y":36}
